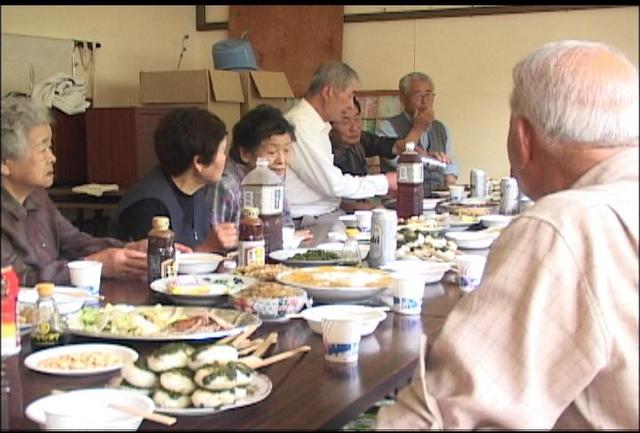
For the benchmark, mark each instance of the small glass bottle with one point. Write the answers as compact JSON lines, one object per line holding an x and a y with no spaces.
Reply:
{"x":48,"y":329}
{"x":251,"y":244}
{"x":351,"y":251}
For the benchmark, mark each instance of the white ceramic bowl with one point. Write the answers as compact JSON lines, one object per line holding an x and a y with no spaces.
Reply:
{"x":473,"y":240}
{"x":432,"y":270}
{"x":198,"y":263}
{"x":75,"y":408}
{"x":370,"y":316}
{"x":496,"y":220}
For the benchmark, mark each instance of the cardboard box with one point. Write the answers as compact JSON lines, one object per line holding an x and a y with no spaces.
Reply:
{"x":218,"y":91}
{"x":264,"y":87}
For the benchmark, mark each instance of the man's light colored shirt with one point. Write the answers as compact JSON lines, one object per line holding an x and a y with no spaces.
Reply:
{"x":550,"y":338}
{"x":314,"y":186}
{"x":386,"y":129}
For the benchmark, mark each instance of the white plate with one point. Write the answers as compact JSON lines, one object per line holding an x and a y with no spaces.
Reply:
{"x":239,"y":319}
{"x":198,"y":263}
{"x":430,"y":203}
{"x":126,"y":355}
{"x":370,"y":316}
{"x":217,"y":285}
{"x":259,"y":388}
{"x":473,"y":240}
{"x":68,"y":299}
{"x":496,"y":220}
{"x":431,"y":269}
{"x":92,"y":398}
{"x":337,"y":283}
{"x":338,"y":246}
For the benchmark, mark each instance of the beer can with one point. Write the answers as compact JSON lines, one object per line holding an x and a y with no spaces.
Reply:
{"x":10,"y":324}
{"x":384,"y":224}
{"x":509,"y":197}
{"x":478,"y":183}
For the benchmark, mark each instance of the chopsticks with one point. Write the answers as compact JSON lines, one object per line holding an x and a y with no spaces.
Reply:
{"x":150,"y":416}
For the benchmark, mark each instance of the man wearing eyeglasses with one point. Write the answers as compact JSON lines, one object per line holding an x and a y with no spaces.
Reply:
{"x":416,"y":96}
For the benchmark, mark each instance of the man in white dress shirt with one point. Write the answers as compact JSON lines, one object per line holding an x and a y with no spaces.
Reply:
{"x":315,"y":186}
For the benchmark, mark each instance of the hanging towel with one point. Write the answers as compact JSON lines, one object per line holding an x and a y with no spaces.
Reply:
{"x":63,"y":92}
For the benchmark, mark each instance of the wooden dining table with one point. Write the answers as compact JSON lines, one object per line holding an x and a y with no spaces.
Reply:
{"x":308,"y":391}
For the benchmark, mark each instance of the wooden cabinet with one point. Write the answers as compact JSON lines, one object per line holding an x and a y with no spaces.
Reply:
{"x":70,"y":148}
{"x":120,"y":143}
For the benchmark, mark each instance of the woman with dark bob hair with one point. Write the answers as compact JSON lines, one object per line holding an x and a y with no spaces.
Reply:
{"x":190,"y":145}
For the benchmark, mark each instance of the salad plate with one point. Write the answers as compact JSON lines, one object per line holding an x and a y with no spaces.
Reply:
{"x":158,"y":322}
{"x":209,"y":289}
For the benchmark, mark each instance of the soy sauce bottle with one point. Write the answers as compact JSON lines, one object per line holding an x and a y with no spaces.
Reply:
{"x":410,"y":183}
{"x":251,"y":249}
{"x":161,"y":251}
{"x":48,"y":328}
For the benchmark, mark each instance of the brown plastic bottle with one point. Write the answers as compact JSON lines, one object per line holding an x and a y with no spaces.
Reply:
{"x":161,"y":251}
{"x":251,"y":249}
{"x":410,"y":188}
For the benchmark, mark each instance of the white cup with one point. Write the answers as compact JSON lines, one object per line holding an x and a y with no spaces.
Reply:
{"x":341,"y":338}
{"x":363,"y":218}
{"x":65,"y":416}
{"x":470,"y":268}
{"x":86,"y":274}
{"x":407,"y":291}
{"x":288,"y":237}
{"x":456,"y":192}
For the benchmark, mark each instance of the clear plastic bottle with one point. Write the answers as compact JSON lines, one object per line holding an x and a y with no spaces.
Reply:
{"x":48,"y":328}
{"x":251,"y":242}
{"x":263,"y":189}
{"x":161,"y":252}
{"x":351,"y":251}
{"x":410,"y":183}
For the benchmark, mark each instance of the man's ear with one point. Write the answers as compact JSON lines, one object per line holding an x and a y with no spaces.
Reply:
{"x":327,"y":92}
{"x":526,"y":140}
{"x":5,"y":168}
{"x":197,"y":164}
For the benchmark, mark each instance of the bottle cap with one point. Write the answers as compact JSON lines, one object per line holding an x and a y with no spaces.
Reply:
{"x":251,"y":212}
{"x":352,"y":232}
{"x":160,"y":223}
{"x":45,"y":289}
{"x":228,"y":266}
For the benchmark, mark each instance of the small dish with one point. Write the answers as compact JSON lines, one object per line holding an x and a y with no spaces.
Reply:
{"x":271,"y":301}
{"x":473,"y":240}
{"x":80,"y":359}
{"x":431,"y":269}
{"x":496,"y":220}
{"x":198,"y":263}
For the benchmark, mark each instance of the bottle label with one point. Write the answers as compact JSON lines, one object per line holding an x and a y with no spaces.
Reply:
{"x":168,"y":268}
{"x":410,"y":173}
{"x":251,"y":253}
{"x":267,"y":198}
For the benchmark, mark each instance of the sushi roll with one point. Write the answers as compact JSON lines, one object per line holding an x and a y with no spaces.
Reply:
{"x":217,"y":376}
{"x":212,"y":353}
{"x":206,"y":398}
{"x":171,"y":400}
{"x":138,"y":374}
{"x":178,"y":380}
{"x":130,"y":387}
{"x":244,"y":373}
{"x":173,"y":355}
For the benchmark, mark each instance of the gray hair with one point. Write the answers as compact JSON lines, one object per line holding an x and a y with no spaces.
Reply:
{"x":405,"y":81}
{"x":19,"y":116}
{"x":338,"y":74}
{"x":567,"y":102}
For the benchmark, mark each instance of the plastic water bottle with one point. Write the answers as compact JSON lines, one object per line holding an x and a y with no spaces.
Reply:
{"x":263,"y":189}
{"x":410,"y":187}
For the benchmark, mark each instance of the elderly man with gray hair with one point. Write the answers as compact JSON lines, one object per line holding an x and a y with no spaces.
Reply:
{"x":314,"y":186}
{"x":417,"y":93}
{"x":550,"y":337}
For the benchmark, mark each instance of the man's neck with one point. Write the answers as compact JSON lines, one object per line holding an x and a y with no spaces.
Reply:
{"x":18,"y":192}
{"x":186,"y":183}
{"x":318,"y":104}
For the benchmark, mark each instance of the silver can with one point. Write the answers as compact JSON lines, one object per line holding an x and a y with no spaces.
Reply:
{"x":478,"y":183}
{"x":509,"y":197}
{"x":384,"y":224}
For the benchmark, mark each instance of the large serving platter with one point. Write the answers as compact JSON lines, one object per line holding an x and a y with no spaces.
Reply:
{"x":210,"y":289}
{"x":337,"y":283}
{"x":160,"y":316}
